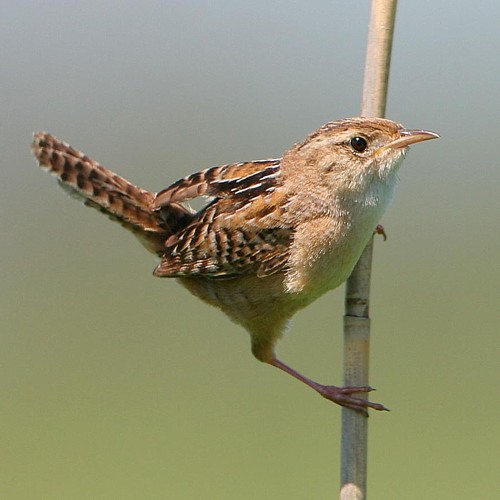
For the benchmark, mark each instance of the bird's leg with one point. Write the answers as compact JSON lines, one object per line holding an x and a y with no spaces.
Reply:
{"x":343,"y":396}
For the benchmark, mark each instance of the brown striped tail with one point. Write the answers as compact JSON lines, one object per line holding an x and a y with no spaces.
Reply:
{"x":102,"y":189}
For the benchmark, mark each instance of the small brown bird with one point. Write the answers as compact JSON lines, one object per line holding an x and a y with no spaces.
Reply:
{"x":274,"y":235}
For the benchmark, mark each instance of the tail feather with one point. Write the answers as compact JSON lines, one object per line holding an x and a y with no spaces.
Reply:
{"x":106,"y":191}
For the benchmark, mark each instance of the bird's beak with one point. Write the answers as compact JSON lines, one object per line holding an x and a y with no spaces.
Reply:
{"x":409,"y":137}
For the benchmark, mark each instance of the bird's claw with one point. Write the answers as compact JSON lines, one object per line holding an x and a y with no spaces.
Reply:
{"x":380,"y":230}
{"x":343,"y":396}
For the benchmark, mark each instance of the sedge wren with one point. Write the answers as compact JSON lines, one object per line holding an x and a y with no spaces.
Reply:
{"x":273,"y":236}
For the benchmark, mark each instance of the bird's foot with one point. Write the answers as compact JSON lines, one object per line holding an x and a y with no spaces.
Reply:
{"x":380,"y":230}
{"x":343,"y":396}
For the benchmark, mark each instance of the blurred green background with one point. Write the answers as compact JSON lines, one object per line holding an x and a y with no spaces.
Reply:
{"x":119,"y":385}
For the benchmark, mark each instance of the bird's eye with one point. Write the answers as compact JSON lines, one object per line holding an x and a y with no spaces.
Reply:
{"x":359,"y":144}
